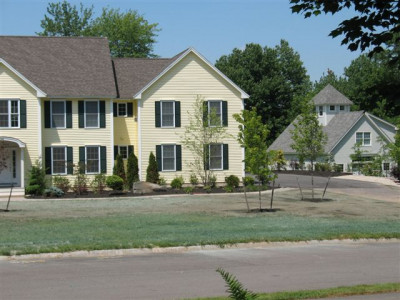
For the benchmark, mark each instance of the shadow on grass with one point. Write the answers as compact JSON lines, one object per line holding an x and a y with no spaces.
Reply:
{"x":317,"y":200}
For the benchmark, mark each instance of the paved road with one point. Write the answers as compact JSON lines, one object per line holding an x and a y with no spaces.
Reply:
{"x":192,"y":274}
{"x":340,"y":185}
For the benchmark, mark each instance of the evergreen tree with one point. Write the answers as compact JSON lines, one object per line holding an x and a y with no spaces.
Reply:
{"x":152,"y":170}
{"x":119,"y":168}
{"x":132,"y":170}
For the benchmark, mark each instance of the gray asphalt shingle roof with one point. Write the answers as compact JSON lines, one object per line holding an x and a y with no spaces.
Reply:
{"x":335,"y":131}
{"x":62,"y":66}
{"x":330,"y":95}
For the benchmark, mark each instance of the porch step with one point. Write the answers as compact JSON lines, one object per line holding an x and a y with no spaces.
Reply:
{"x":16,"y":192}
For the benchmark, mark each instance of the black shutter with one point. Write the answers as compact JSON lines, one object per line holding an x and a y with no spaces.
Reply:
{"x":82,"y":160}
{"x":206,"y":157}
{"x":22,"y":113}
{"x":178,"y":153}
{"x":115,"y":109}
{"x":81,"y":114}
{"x":205,"y":114}
{"x":68,"y":108}
{"x":70,"y":161}
{"x":158,"y":113}
{"x":115,"y":152}
{"x":130,"y":150}
{"x":102,"y":114}
{"x":224,"y":113}
{"x":158,"y":157}
{"x":103,"y":159}
{"x":47,"y":159}
{"x":47,"y":114}
{"x":130,"y":109}
{"x":226,"y":156}
{"x":177,"y":114}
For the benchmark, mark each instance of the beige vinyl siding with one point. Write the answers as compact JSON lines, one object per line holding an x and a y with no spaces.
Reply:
{"x":189,"y":78}
{"x":11,"y":86}
{"x":125,"y":128}
{"x":79,"y":137}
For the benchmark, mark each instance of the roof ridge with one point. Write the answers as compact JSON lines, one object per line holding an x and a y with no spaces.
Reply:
{"x":54,"y":37}
{"x":141,"y":58}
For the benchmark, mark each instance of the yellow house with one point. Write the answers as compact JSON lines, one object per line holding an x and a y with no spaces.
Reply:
{"x":65,"y":101}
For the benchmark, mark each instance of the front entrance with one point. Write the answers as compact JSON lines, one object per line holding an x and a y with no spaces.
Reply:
{"x":11,"y":162}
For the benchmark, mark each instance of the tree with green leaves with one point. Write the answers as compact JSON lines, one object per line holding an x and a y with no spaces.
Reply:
{"x":374,"y":25}
{"x":275,"y":78}
{"x":308,"y":137}
{"x":132,"y":170}
{"x":357,"y":157}
{"x":64,"y":19}
{"x":119,"y":168}
{"x":394,"y":153}
{"x":152,"y":174}
{"x":198,"y":135}
{"x":252,"y":137}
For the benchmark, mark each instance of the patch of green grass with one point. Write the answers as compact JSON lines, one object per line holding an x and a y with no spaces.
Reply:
{"x":119,"y":229}
{"x":342,"y":291}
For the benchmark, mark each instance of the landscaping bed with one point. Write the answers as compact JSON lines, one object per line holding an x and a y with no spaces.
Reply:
{"x":315,"y":173}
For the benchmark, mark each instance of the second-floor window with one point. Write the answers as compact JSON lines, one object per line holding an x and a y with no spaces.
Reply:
{"x":9,"y":113}
{"x":58,"y":114}
{"x":215,"y":113}
{"x":321,"y":110}
{"x":92,"y":115}
{"x":167,"y":113}
{"x":122,"y":110}
{"x":363,"y":138}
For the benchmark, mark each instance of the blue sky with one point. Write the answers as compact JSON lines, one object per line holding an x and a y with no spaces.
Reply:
{"x":213,"y":27}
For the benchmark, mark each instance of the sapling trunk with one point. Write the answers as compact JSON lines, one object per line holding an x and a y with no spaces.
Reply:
{"x":301,"y":193}
{"x":259,"y":193}
{"x":329,"y":178}
{"x":272,"y":194}
{"x":245,"y":197}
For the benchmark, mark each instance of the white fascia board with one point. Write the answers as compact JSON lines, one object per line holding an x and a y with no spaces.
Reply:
{"x":39,"y":92}
{"x":381,"y":120}
{"x":377,"y":128}
{"x":243,"y":94}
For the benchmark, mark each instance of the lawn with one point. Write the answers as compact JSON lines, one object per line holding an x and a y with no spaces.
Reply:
{"x":67,"y":225}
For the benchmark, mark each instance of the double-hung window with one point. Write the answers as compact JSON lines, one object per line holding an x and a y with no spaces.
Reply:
{"x":332,"y":108}
{"x":167,"y":113}
{"x":363,"y":138}
{"x":341,"y":107}
{"x":58,"y":115}
{"x":215,"y":113}
{"x":122,"y":110}
{"x":9,"y":113}
{"x":92,"y":114}
{"x":123,"y":151}
{"x":168,"y":157}
{"x":216,"y":157}
{"x":92,"y":159}
{"x":59,"y":160}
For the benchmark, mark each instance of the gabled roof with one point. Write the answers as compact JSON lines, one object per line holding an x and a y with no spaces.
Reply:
{"x":176,"y":59}
{"x":336,"y":129}
{"x":62,"y":66}
{"x":330,"y":95}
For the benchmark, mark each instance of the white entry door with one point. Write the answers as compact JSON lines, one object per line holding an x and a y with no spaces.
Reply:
{"x":10,"y":174}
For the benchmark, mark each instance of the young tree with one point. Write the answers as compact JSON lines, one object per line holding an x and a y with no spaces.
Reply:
{"x":309,"y":140}
{"x":132,"y":170}
{"x":119,"y":168}
{"x":198,"y":135}
{"x":357,"y":157}
{"x":252,"y":137}
{"x":152,"y":174}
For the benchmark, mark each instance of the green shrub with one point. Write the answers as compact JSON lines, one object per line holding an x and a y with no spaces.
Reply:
{"x":98,"y":183}
{"x":37,"y":180}
{"x":212,"y":181}
{"x":115,"y":182}
{"x":80,"y":182}
{"x":33,"y":189}
{"x":229,"y":189}
{"x":119,"y":168}
{"x":207,"y":188}
{"x":324,"y":167}
{"x":62,"y":183}
{"x":132,"y":170}
{"x":248,"y":181}
{"x":338,"y":168}
{"x":177,"y":183}
{"x":53,"y":192}
{"x":152,"y":174}
{"x":188,"y":190}
{"x":162,"y":181}
{"x":232,"y":181}
{"x":194,"y":180}
{"x":395,"y":172}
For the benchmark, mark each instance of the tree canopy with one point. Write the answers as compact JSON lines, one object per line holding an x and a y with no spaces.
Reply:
{"x":129,"y":33}
{"x":375,"y":24}
{"x":275,"y":79}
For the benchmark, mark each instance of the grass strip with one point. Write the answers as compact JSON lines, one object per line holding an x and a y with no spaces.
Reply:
{"x":342,"y":291}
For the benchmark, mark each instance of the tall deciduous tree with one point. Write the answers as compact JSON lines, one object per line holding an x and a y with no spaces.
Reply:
{"x":309,"y":140}
{"x":275,"y":79}
{"x":374,"y":25}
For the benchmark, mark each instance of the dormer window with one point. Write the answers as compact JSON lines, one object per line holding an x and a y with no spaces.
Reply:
{"x":321,"y":110}
{"x":332,"y":107}
{"x":341,"y":107}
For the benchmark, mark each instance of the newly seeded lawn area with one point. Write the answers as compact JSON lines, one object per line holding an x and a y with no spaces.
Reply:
{"x":90,"y":224}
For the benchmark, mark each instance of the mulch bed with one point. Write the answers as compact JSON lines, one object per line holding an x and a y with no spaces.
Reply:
{"x":316,"y":173}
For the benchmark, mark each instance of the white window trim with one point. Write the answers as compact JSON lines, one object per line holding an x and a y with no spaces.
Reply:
{"x":9,"y":113}
{"x":98,"y":114}
{"x":222,"y":157}
{"x":126,"y":109}
{"x":209,"y":112}
{"x":52,"y":160}
{"x":127,"y":150}
{"x":363,"y":138}
{"x":65,"y":114}
{"x":161,"y":113}
{"x":99,"y":158}
{"x":162,"y":158}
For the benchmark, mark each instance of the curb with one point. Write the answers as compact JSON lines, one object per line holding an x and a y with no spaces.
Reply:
{"x":183,"y":249}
